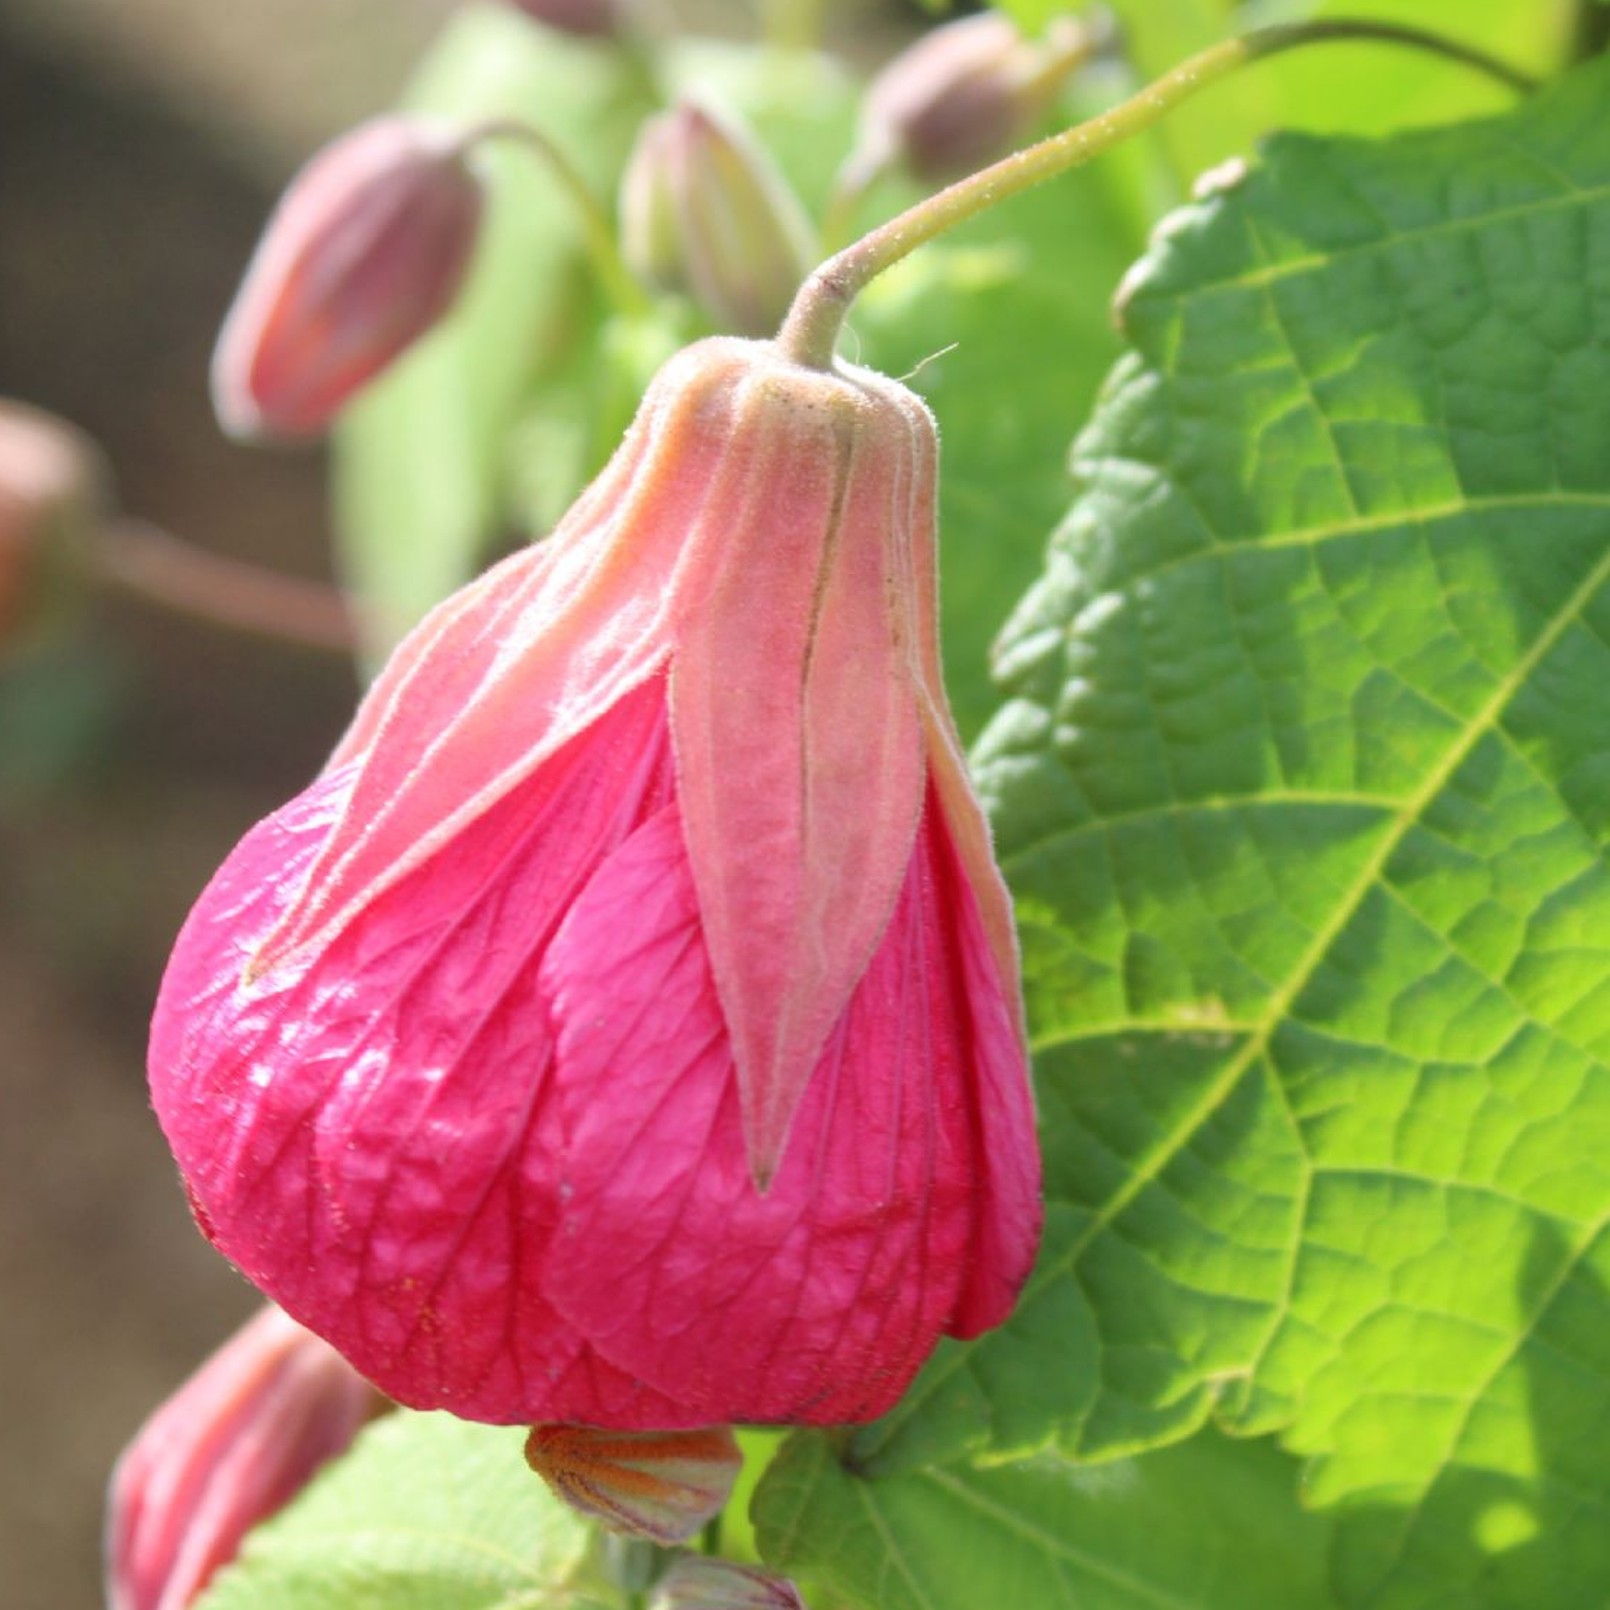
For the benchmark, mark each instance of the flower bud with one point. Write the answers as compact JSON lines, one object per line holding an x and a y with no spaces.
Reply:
{"x":706,"y":212}
{"x":624,"y":1029}
{"x":662,"y":1486}
{"x":365,"y":252}
{"x":697,"y":1582}
{"x":51,"y":487}
{"x":588,"y":19}
{"x":234,"y":1444}
{"x":963,"y":95}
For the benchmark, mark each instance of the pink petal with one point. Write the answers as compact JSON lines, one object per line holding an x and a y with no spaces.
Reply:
{"x":795,"y":711}
{"x":1006,"y":1181}
{"x":817,"y":1300}
{"x":357,"y":1129}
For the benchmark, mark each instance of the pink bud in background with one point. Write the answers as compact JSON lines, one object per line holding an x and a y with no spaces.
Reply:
{"x":964,"y":95}
{"x":365,"y":252}
{"x":589,"y":19}
{"x":706,"y":212}
{"x":662,"y":1486}
{"x":697,"y":1582}
{"x":234,"y":1444}
{"x":624,"y":1029}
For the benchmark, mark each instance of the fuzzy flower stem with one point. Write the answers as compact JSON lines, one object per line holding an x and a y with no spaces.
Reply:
{"x":810,"y":333}
{"x":622,"y":289}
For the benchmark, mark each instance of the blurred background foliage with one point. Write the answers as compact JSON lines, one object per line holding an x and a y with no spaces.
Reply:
{"x":141,"y":145}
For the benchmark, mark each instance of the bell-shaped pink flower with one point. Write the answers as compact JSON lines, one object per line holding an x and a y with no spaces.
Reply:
{"x":234,"y":1444}
{"x":365,"y":252}
{"x":624,"y":1029}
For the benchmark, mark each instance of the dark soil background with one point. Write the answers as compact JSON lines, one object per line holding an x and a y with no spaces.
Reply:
{"x":138,"y":157}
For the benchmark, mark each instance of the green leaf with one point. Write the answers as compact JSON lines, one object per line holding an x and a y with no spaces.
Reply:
{"x":426,"y":1513}
{"x":421,"y":464}
{"x":1346,"y":87}
{"x":1209,"y":1525}
{"x":1303,"y":788}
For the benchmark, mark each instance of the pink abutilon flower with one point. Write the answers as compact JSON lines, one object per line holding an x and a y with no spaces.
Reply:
{"x":624,"y":1028}
{"x":234,"y":1444}
{"x":365,"y":252}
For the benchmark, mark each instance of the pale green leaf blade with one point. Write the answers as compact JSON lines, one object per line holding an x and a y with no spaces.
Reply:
{"x":1301,"y":788}
{"x":1209,"y":1525}
{"x":427,"y":1512}
{"x":421,"y":459}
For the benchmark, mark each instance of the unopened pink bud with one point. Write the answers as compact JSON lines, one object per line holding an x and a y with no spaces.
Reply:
{"x":50,"y":492}
{"x":624,"y":1029}
{"x":697,"y":1582}
{"x":234,"y":1444}
{"x":963,"y":95}
{"x":705,"y":211}
{"x":662,"y":1486}
{"x":590,"y":19}
{"x":365,"y":252}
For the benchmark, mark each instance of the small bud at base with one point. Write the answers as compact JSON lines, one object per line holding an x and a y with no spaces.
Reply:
{"x":659,"y":1485}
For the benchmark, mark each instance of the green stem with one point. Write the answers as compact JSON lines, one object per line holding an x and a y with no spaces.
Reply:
{"x":810,"y":333}
{"x":598,"y":230}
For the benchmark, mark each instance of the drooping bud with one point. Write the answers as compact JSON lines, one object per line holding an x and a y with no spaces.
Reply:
{"x":662,"y":1486}
{"x":707,"y":213}
{"x":234,"y":1444}
{"x":624,"y":1029}
{"x":365,"y":252}
{"x":963,"y":95}
{"x":698,"y":1582}
{"x":51,"y":487}
{"x":588,"y":19}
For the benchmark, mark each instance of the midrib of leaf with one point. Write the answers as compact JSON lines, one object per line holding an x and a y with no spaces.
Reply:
{"x":1360,"y":525}
{"x":1293,"y":267}
{"x":892,"y":1550}
{"x":1053,"y":1546}
{"x":1213,"y":1097}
